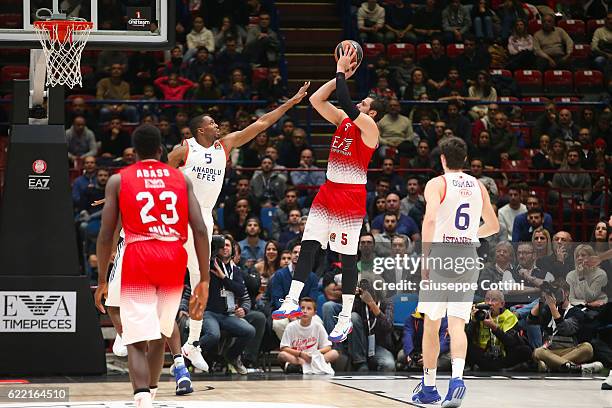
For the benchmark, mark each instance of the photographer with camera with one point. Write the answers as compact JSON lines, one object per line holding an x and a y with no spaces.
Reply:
{"x":370,"y":342}
{"x":495,"y":341}
{"x":227,"y":305}
{"x":561,"y":323}
{"x":411,"y":354}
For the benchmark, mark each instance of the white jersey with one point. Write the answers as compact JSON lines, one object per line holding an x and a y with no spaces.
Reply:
{"x":458,"y":218}
{"x":205,"y":167}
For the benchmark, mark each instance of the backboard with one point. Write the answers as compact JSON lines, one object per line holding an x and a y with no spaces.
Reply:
{"x":124,"y":24}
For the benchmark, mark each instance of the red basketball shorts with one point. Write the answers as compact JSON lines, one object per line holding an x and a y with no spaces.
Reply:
{"x":152,"y":279}
{"x":336,"y":217}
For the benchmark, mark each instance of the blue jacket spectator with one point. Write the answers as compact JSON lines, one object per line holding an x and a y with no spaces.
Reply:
{"x":87,"y":179}
{"x":522,"y":229}
{"x":281,"y":282}
{"x":405,"y":225}
{"x":413,"y":335}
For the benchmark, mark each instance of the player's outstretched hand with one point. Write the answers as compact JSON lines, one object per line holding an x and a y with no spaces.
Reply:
{"x":301,"y":93}
{"x":198,"y":301}
{"x":592,"y":261}
{"x":347,"y":62}
{"x":101,"y":292}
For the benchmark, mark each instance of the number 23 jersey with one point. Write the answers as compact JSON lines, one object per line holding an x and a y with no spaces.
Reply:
{"x":153,"y":202}
{"x":458,"y":218}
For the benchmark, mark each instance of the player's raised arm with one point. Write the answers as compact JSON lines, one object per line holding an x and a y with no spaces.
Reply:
{"x":241,"y":137}
{"x":199,"y":297}
{"x":491,"y":223}
{"x":434,"y":191}
{"x":104,"y":245}
{"x":319,"y":101}
{"x":344,"y":69}
{"x":176,"y":158}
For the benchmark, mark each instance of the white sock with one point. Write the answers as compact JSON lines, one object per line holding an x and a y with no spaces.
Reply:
{"x":153,"y":393}
{"x":195,"y":329}
{"x":143,"y":399}
{"x":458,"y":364}
{"x":295,"y":290}
{"x":429,"y":377}
{"x":347,"y":304}
{"x":179,"y":361}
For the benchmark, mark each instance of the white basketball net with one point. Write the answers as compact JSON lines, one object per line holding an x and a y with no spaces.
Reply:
{"x":62,"y":49}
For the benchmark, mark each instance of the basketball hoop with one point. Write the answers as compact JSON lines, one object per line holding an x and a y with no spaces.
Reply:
{"x":63,"y":41}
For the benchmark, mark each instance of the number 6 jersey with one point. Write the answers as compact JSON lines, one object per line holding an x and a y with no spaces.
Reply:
{"x":153,"y":202}
{"x":458,"y":218}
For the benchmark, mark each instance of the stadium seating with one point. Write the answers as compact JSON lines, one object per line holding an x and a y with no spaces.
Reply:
{"x":575,"y":28}
{"x":259,"y":74}
{"x":581,"y":55}
{"x":266,"y":216}
{"x":10,"y":20}
{"x":373,"y":50}
{"x":534,"y":25}
{"x":531,"y":112}
{"x":588,"y":81}
{"x":529,"y":80}
{"x":398,"y":50}
{"x":423,"y":50}
{"x":593,"y":25}
{"x":454,"y":50}
{"x":558,"y":81}
{"x":10,"y":72}
{"x":502,"y":72}
{"x":568,"y":99}
{"x":403,"y":306}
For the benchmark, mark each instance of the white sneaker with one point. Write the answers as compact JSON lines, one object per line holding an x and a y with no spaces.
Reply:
{"x":118,"y":348}
{"x":289,"y":309}
{"x":193,"y":353}
{"x":592,"y":368}
{"x":343,"y":328}
{"x":143,"y":400}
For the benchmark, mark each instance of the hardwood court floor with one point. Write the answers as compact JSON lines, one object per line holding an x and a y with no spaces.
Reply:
{"x":277,"y":390}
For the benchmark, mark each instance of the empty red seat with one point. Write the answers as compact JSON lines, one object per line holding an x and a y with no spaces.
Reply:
{"x":11,"y":21}
{"x":564,"y":100}
{"x":588,"y":81}
{"x":582,"y":55}
{"x":398,"y":50}
{"x":259,"y":74}
{"x":529,"y":80}
{"x":373,"y":50}
{"x":593,"y":25}
{"x":558,"y":80}
{"x":423,"y":50}
{"x":10,"y":72}
{"x":534,"y":25}
{"x":507,"y":99}
{"x":502,"y":72}
{"x":531,"y":112}
{"x":575,"y":28}
{"x":454,"y":50}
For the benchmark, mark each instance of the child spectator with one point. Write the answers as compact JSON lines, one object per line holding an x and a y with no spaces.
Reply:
{"x":305,"y":344}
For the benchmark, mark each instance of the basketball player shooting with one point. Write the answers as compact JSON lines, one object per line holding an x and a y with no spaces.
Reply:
{"x":156,"y":203}
{"x":336,"y":215}
{"x":203,"y":160}
{"x":455,"y":203}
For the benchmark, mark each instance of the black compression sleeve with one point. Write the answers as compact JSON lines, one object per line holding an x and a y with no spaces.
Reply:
{"x":344,"y":98}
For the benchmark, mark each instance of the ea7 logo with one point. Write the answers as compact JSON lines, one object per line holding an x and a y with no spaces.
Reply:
{"x":38,"y":182}
{"x":39,"y":306}
{"x":341,"y":143}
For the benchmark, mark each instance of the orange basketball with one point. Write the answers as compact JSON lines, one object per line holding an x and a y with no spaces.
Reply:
{"x":355,"y":45}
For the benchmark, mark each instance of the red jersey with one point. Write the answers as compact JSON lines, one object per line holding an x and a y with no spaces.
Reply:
{"x":349,"y":156}
{"x":153,"y":202}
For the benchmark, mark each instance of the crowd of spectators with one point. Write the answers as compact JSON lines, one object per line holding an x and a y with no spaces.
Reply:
{"x":543,"y":217}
